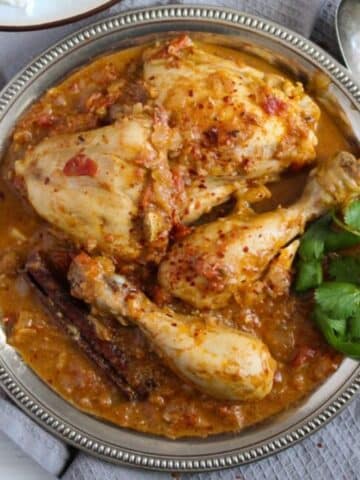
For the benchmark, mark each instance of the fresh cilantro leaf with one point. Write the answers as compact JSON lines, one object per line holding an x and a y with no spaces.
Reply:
{"x":309,"y":275}
{"x":339,"y":326}
{"x":313,"y":241}
{"x":344,"y":226}
{"x":319,"y":238}
{"x":324,"y":322}
{"x":337,"y":240}
{"x":345,"y":269}
{"x":354,"y":327}
{"x":352,"y":215}
{"x":337,"y":299}
{"x":333,"y":336}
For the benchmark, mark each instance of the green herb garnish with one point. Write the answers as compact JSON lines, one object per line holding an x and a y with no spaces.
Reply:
{"x":339,"y":337}
{"x":311,"y":252}
{"x":352,"y":215}
{"x":345,"y":269}
{"x":309,"y":275}
{"x":337,"y":301}
{"x":320,"y":238}
{"x":339,"y":239}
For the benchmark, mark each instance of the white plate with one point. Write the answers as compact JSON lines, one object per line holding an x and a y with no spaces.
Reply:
{"x":43,"y":13}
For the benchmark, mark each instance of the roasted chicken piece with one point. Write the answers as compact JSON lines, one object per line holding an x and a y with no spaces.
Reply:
{"x":111,"y":189}
{"x":278,"y":276}
{"x":96,"y":339}
{"x":221,"y":361}
{"x":214,"y":262}
{"x":233,"y":119}
{"x":91,"y":185}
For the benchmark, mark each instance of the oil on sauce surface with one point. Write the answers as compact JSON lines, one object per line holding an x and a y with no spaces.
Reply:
{"x":173,"y":409}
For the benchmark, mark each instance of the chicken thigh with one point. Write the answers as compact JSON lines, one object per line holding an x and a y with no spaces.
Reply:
{"x":233,"y":119}
{"x":221,"y":361}
{"x":210,"y":265}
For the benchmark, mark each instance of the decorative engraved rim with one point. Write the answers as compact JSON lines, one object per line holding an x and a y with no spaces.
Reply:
{"x":14,"y":388}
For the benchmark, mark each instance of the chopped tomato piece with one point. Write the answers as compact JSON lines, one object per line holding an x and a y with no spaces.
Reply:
{"x":303,"y":354}
{"x":179,"y":43}
{"x":273,"y":105}
{"x":46,"y":120}
{"x":211,"y":270}
{"x":174,"y":47}
{"x":180,"y":231}
{"x":80,"y":165}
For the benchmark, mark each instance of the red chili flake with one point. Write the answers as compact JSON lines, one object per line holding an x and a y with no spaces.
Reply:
{"x":211,"y":137}
{"x":80,"y":165}
{"x":273,"y":105}
{"x":46,"y":120}
{"x":212,"y":272}
{"x":180,"y":231}
{"x":245,"y":249}
{"x":303,"y":354}
{"x":96,"y":101}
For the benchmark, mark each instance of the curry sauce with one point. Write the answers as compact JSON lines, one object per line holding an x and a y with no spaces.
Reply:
{"x":173,"y":408}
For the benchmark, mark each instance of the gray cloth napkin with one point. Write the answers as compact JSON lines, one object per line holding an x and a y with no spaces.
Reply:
{"x":52,"y":454}
{"x":333,"y":453}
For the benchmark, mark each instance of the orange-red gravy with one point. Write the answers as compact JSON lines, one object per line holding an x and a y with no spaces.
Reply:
{"x":173,"y":409}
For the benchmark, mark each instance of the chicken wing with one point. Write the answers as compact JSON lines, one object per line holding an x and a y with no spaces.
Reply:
{"x":221,"y":361}
{"x":233,"y":119}
{"x":208,"y":266}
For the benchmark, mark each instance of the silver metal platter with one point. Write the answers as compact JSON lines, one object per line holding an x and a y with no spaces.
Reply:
{"x":230,"y":28}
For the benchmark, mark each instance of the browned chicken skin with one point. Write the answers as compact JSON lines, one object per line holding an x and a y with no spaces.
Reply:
{"x":208,"y":266}
{"x":232,"y":118}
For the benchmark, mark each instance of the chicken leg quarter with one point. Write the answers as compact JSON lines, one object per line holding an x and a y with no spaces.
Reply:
{"x":208,"y":266}
{"x":112,"y":188}
{"x":221,"y":361}
{"x":232,"y":118}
